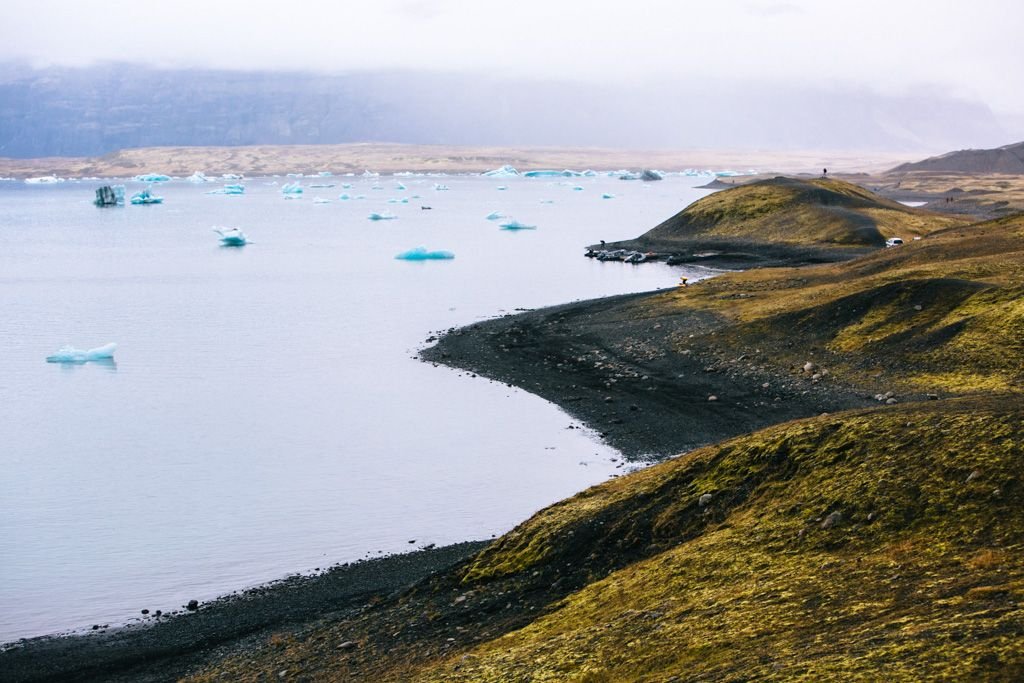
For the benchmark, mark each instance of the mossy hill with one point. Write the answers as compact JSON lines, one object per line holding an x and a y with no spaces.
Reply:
{"x":1005,"y":159}
{"x":884,"y":543}
{"x":787,"y":220}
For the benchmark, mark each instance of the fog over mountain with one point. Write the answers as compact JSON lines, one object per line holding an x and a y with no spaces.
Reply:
{"x":92,"y":111}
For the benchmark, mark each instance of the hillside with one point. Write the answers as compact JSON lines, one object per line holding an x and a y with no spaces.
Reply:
{"x":881,"y":542}
{"x":788,"y":219}
{"x":1006,"y":159}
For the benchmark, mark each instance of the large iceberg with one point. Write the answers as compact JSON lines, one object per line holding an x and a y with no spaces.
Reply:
{"x":146,"y":197}
{"x":291,"y":188}
{"x":505,"y":171}
{"x":69,"y":354}
{"x":421,"y":254}
{"x":151,"y":178}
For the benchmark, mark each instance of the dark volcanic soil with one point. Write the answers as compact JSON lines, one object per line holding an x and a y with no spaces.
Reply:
{"x":174,"y":647}
{"x":651,"y":386}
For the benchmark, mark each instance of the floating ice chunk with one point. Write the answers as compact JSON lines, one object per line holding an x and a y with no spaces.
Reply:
{"x":321,"y":200}
{"x":69,"y":354}
{"x":235,"y":189}
{"x":325,"y":174}
{"x":232,"y":176}
{"x":577,"y":188}
{"x":505,"y":171}
{"x":651,"y":174}
{"x":542,"y":174}
{"x":607,"y":195}
{"x":547,"y":201}
{"x":495,"y":215}
{"x":292,"y":188}
{"x":421,"y":254}
{"x":146,"y":197}
{"x":377,"y":186}
{"x":516,"y":225}
{"x":399,"y":186}
{"x":629,"y":175}
{"x":382,"y":216}
{"x":502,"y":187}
{"x":231,"y":237}
{"x":292,"y":175}
{"x":44,"y":180}
{"x":198,"y":177}
{"x":151,"y":178}
{"x":346,"y":186}
{"x":440,"y":187}
{"x":110,"y":195}
{"x":321,"y":186}
{"x":589,"y":173}
{"x":370,"y":174}
{"x":344,"y":197}
{"x":360,"y":196}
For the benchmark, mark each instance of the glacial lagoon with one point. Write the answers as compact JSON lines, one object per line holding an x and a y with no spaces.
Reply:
{"x":264,"y":413}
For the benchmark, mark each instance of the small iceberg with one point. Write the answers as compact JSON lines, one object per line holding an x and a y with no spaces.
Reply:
{"x":370,"y":174}
{"x":291,"y":188}
{"x":69,"y":354}
{"x":232,"y":176}
{"x":44,"y":180}
{"x":543,"y":174}
{"x":151,"y":178}
{"x":322,"y":186}
{"x":382,"y":216}
{"x":577,"y":188}
{"x":145,"y":198}
{"x":324,"y":174}
{"x":629,"y":175}
{"x":231,"y":237}
{"x":109,"y":195}
{"x":607,"y":195}
{"x":399,"y":186}
{"x":502,"y":187}
{"x":235,"y":189}
{"x":505,"y":171}
{"x":344,"y":197}
{"x":399,"y":200}
{"x":650,"y":174}
{"x":421,"y":254}
{"x":198,"y":177}
{"x":516,"y":225}
{"x":495,"y":215}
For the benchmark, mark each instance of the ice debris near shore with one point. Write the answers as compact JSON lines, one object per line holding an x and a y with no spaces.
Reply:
{"x":151,"y":178}
{"x":291,"y":188}
{"x":421,"y":254}
{"x":69,"y":354}
{"x":505,"y":171}
{"x":382,"y":216}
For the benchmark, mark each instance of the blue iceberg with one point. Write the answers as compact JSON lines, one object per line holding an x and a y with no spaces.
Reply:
{"x":421,"y":254}
{"x":69,"y":354}
{"x":543,"y":174}
{"x":382,"y":216}
{"x":231,"y":237}
{"x":516,"y":225}
{"x":152,"y":178}
{"x":344,"y":197}
{"x":235,"y":189}
{"x":146,"y":197}
{"x":505,"y":171}
{"x":291,"y":188}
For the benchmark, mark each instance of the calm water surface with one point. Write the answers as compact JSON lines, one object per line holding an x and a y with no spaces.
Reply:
{"x":265,"y":414}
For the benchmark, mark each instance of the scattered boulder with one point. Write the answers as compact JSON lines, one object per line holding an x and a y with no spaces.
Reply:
{"x":704,"y":500}
{"x":833,"y":519}
{"x":192,"y":605}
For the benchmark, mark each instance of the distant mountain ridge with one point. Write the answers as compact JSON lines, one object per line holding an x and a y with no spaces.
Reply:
{"x":95,"y":111}
{"x":1005,"y":159}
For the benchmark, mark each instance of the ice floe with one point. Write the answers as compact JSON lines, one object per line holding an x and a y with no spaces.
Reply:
{"x":69,"y":354}
{"x":505,"y":171}
{"x":422,"y":254}
{"x":146,"y":197}
{"x":231,"y":237}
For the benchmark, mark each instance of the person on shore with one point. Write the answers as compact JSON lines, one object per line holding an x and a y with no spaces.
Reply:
{"x":683,"y":280}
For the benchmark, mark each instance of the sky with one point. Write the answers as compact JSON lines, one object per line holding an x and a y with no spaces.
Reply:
{"x":967,"y":50}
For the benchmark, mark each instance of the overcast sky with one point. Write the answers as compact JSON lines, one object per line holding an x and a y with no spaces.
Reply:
{"x":966,"y":49}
